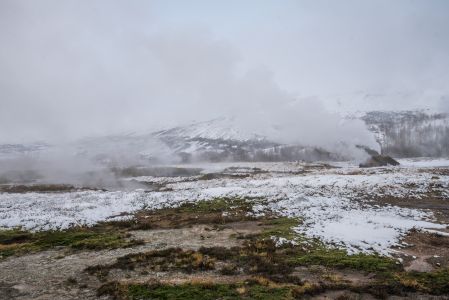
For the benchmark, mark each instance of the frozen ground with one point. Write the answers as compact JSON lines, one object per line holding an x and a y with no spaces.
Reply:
{"x":336,"y":204}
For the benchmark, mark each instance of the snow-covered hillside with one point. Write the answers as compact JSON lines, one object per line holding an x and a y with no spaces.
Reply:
{"x":216,"y":129}
{"x":215,"y":140}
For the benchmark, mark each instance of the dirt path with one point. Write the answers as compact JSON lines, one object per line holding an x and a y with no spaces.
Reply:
{"x":56,"y":274}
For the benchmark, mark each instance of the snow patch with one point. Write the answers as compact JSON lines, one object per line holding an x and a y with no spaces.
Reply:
{"x":332,"y":202}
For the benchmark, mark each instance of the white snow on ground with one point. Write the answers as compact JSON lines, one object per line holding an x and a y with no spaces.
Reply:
{"x":346,"y":223}
{"x":331,"y":202}
{"x":425,"y":162}
{"x":62,"y":210}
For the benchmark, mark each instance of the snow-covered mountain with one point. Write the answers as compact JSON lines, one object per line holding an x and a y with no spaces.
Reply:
{"x":215,"y":140}
{"x":399,"y":133}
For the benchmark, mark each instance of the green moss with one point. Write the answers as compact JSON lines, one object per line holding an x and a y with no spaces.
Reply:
{"x":16,"y":242}
{"x":266,"y":293}
{"x":185,"y":292}
{"x":49,"y":239}
{"x":217,"y":205}
{"x":14,"y":236}
{"x":197,"y":292}
{"x":340,"y":259}
{"x":104,"y":242}
{"x":156,"y":171}
{"x":281,"y":227}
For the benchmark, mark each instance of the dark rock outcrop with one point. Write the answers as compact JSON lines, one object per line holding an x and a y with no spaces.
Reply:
{"x":376,"y":159}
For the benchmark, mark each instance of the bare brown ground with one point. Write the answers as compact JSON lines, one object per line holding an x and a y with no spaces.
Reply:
{"x":425,"y":251}
{"x":57,"y":274}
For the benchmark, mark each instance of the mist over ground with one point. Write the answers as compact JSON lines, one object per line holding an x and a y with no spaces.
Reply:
{"x":76,"y":69}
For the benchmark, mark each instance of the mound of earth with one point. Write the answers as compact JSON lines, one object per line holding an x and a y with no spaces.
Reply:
{"x":376,"y":159}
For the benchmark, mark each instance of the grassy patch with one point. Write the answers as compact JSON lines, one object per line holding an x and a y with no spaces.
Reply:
{"x":16,"y":242}
{"x":403,"y":283}
{"x":156,"y":171}
{"x":38,"y":188}
{"x":12,"y":236}
{"x":202,"y":291}
{"x":430,"y":282}
{"x":339,"y":259}
{"x":218,"y":205}
{"x":211,"y":176}
{"x":215,"y":211}
{"x":281,"y":227}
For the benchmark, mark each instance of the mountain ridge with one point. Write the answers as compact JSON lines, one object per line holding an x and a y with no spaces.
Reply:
{"x":399,"y":134}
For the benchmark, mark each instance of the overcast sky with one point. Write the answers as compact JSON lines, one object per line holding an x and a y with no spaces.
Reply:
{"x":77,"y":68}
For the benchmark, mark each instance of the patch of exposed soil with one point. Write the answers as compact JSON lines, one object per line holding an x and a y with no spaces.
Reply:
{"x":319,"y":274}
{"x":425,"y":252}
{"x":198,"y":236}
{"x":342,"y":295}
{"x":56,"y":274}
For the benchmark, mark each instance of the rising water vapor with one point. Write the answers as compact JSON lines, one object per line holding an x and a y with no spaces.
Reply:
{"x":71,"y":70}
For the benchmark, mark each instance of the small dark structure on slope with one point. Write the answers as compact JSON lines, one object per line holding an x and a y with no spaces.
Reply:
{"x":376,"y":159}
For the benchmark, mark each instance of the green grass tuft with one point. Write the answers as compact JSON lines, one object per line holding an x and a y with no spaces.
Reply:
{"x":340,"y":259}
{"x":431,"y":282}
{"x":281,"y":227}
{"x":217,"y":205}
{"x":197,"y":292}
{"x":16,"y":241}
